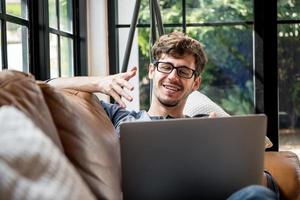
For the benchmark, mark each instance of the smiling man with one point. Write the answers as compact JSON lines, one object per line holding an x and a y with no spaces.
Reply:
{"x":179,"y":61}
{"x":175,"y":72}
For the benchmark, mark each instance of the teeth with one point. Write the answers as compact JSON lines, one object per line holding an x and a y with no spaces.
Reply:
{"x":171,"y":88}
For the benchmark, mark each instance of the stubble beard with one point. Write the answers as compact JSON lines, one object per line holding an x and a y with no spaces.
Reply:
{"x":169,"y":103}
{"x":172,"y":103}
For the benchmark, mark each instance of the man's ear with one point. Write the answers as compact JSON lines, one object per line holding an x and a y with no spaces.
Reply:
{"x":151,"y":71}
{"x":197,"y":83}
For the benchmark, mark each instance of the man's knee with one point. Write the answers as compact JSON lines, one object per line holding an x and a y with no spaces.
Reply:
{"x":253,"y":192}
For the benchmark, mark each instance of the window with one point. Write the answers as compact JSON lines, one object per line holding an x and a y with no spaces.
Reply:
{"x":225,"y":28}
{"x":288,"y":17}
{"x":240,"y":39}
{"x":61,"y":38}
{"x":14,"y":35}
{"x":45,"y":37}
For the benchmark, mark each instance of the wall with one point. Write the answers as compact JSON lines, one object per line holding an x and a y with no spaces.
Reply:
{"x":98,"y":61}
{"x":97,"y":38}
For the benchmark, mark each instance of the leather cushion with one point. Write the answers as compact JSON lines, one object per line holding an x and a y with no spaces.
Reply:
{"x":285,"y":168}
{"x":20,"y":90}
{"x":88,"y":138}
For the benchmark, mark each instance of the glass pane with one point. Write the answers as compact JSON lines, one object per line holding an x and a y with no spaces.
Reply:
{"x":171,"y":11}
{"x":66,"y":15}
{"x":17,"y":8}
{"x":52,"y":13}
{"x":66,"y":55}
{"x":288,"y":10}
{"x":133,"y":61}
{"x":228,"y":75}
{"x":144,"y":60}
{"x":17,"y":47}
{"x":199,"y":11}
{"x":54,"y":69}
{"x":289,"y":87}
{"x":126,"y":10}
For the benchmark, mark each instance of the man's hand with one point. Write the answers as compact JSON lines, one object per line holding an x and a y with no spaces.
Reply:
{"x":114,"y":86}
{"x":212,"y":115}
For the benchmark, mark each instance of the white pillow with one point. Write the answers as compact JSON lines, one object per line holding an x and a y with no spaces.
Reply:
{"x":31,"y":166}
{"x":198,"y":103}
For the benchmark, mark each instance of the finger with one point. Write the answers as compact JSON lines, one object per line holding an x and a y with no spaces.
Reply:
{"x":119,"y":90}
{"x":133,"y":68}
{"x":125,"y":83}
{"x":117,"y":98}
{"x":128,"y":75}
{"x":212,"y":115}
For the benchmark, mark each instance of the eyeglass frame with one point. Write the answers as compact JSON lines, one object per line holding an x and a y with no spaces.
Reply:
{"x":156,"y":63}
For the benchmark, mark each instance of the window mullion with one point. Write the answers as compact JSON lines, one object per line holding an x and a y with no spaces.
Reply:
{"x":42,"y":67}
{"x":76,"y":41}
{"x":80,"y":43}
{"x":57,"y":13}
{"x":113,"y":36}
{"x":3,"y":37}
{"x":4,"y":44}
{"x":59,"y":55}
{"x":265,"y":63}
{"x":183,"y":16}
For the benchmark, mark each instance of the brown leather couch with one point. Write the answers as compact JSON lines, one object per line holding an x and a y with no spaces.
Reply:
{"x":79,"y":127}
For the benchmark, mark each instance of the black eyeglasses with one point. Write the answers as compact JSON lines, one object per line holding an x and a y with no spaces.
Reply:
{"x":167,"y":68}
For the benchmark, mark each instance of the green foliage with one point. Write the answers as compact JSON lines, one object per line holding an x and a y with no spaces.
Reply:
{"x":296,"y":96}
{"x":13,"y":9}
{"x":289,"y":71}
{"x":239,"y":102}
{"x":288,"y":9}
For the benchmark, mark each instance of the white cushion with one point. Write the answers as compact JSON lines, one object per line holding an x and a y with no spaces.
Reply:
{"x":31,"y":165}
{"x":198,"y":103}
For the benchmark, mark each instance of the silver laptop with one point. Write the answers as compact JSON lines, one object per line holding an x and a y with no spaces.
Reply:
{"x":196,"y":158}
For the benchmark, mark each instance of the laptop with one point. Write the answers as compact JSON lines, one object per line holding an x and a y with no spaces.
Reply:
{"x":191,"y":158}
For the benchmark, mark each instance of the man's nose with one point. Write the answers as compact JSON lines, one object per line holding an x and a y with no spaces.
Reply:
{"x":173,"y":74}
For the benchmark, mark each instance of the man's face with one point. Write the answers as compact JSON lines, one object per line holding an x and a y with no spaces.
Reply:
{"x":170,"y":89}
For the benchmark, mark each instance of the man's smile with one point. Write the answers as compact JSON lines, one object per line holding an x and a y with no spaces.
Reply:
{"x":172,"y":87}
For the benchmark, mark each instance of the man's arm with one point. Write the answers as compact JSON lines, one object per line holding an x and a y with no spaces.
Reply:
{"x":112,"y":85}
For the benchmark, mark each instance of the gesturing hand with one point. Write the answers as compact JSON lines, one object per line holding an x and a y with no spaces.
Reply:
{"x":114,"y":86}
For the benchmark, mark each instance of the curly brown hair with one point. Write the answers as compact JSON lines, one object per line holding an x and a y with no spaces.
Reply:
{"x":177,"y":45}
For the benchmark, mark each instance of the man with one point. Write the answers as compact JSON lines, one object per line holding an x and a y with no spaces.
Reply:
{"x":179,"y":61}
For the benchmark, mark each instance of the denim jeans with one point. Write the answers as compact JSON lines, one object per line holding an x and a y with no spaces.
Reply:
{"x":253,"y":192}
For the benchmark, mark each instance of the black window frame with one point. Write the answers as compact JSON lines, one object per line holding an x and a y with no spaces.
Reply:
{"x":265,"y":46}
{"x":4,"y":17}
{"x":38,"y":31}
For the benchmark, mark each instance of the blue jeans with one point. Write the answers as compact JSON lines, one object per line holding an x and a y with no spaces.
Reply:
{"x":253,"y":192}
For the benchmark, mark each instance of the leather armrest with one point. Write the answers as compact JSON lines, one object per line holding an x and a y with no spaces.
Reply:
{"x":21,"y":91}
{"x":285,"y":169}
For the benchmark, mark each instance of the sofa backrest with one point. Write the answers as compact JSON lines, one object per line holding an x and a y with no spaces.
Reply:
{"x":76,"y":123}
{"x":88,"y":138}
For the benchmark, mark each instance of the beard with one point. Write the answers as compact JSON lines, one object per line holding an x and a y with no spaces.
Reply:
{"x":173,"y":102}
{"x":168,"y":103}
